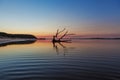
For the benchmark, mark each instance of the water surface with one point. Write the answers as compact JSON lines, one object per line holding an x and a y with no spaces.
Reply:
{"x":79,"y":60}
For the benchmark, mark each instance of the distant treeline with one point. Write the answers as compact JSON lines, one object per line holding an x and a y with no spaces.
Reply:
{"x":25,"y":36}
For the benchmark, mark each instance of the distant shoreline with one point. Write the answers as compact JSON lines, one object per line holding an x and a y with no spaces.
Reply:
{"x":6,"y":39}
{"x":4,"y":35}
{"x":83,"y":38}
{"x":16,"y":41}
{"x":99,"y":38}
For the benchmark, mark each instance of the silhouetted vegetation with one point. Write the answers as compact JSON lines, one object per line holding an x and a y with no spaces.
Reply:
{"x":22,"y":36}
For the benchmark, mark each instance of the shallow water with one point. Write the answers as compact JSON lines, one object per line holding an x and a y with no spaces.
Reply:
{"x":79,"y":60}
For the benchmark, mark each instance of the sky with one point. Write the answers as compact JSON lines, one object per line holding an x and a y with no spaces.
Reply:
{"x":44,"y":17}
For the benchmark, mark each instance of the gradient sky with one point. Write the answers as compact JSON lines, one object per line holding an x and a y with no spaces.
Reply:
{"x":43,"y":17}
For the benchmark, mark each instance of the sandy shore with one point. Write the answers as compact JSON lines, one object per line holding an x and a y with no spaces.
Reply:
{"x":7,"y":40}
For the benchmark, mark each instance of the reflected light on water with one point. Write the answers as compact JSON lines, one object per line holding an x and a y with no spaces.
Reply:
{"x":79,"y":60}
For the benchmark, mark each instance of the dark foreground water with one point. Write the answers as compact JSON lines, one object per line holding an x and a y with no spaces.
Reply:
{"x":80,"y":60}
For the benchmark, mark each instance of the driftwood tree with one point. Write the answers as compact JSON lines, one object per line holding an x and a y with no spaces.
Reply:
{"x":56,"y":38}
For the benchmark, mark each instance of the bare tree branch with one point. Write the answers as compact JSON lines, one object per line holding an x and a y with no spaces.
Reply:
{"x":57,"y":38}
{"x":61,"y":31}
{"x":63,"y":35}
{"x":58,"y":32}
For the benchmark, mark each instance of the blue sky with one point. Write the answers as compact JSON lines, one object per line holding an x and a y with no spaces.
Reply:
{"x":45,"y":16}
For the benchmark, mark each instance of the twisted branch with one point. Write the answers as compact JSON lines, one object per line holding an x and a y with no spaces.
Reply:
{"x":63,"y":35}
{"x":58,"y":32}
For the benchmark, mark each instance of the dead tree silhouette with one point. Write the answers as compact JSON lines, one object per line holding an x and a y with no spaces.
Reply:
{"x":60,"y":39}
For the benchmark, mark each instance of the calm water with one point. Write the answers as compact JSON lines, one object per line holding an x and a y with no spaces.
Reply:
{"x":79,"y":60}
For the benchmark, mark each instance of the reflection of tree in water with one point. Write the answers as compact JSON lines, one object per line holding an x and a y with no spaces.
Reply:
{"x":56,"y":47}
{"x":57,"y":41}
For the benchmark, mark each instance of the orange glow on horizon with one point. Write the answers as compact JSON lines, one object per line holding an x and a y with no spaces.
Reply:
{"x":78,"y":33}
